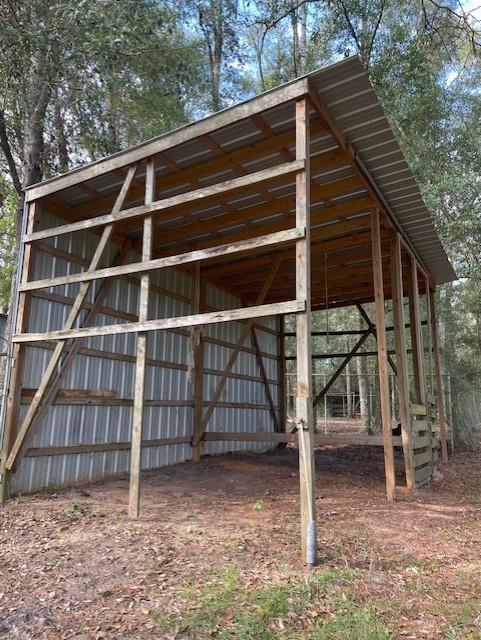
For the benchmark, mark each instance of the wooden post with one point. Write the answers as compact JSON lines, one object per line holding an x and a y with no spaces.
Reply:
{"x":198,"y":379}
{"x":382,"y":356}
{"x":265,"y":379}
{"x":304,"y":407}
{"x":401,"y":360}
{"x":19,"y":324}
{"x":439,"y":383}
{"x":430,"y":373}
{"x":138,"y":409}
{"x":235,"y":352}
{"x":281,"y":374}
{"x":416,"y":335}
{"x":53,"y":364}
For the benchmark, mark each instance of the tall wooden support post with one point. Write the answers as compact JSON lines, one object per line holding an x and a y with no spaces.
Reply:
{"x":138,"y":408}
{"x":430,"y":372}
{"x":401,"y":360}
{"x":281,"y":374}
{"x":382,"y":357}
{"x":18,"y":356}
{"x":304,"y":349}
{"x":198,"y":373}
{"x":416,"y":335}
{"x":439,"y":383}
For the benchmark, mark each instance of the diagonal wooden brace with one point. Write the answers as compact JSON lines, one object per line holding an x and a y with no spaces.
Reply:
{"x":72,"y":317}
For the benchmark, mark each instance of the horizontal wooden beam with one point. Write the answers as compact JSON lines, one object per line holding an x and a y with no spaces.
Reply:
{"x":230,"y":315}
{"x":101,"y":447}
{"x":196,"y":195}
{"x":179,"y":136}
{"x":242,"y":246}
{"x":267,"y":147}
{"x":359,"y":439}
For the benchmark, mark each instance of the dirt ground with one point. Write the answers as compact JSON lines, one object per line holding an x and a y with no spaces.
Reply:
{"x":219,"y":540}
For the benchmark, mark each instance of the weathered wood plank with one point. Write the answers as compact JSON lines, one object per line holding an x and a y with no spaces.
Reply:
{"x":37,"y":452}
{"x":423,"y":475}
{"x":418,"y":409}
{"x":197,"y":195}
{"x":382,"y":357}
{"x":270,"y":240}
{"x":231,"y":315}
{"x":19,"y":323}
{"x":235,"y":352}
{"x":422,"y":458}
{"x":71,"y":319}
{"x":401,"y":359}
{"x":140,"y":365}
{"x":439,"y":382}
{"x":177,"y":137}
{"x":304,"y":407}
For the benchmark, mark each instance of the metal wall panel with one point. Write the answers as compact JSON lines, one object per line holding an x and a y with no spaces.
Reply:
{"x":72,"y":424}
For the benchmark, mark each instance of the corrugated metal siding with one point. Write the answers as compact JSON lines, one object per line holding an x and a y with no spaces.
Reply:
{"x":71,"y":424}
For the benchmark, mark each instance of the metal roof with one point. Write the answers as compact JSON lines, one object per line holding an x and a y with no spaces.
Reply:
{"x":347,"y":94}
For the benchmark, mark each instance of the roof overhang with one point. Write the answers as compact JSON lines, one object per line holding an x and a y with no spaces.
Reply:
{"x":358,"y":124}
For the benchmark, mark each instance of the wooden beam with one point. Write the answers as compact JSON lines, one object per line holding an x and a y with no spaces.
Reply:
{"x":233,"y":357}
{"x":347,"y":358}
{"x":281,"y":373}
{"x":72,"y":317}
{"x":439,"y":382}
{"x":416,"y":335}
{"x":230,"y":315}
{"x":372,"y":327}
{"x":401,"y":360}
{"x":428,"y":323}
{"x":382,"y":358}
{"x":102,"y":447}
{"x":174,"y":202}
{"x":353,"y":160}
{"x":140,"y":365}
{"x":183,"y":134}
{"x":304,"y":407}
{"x":19,"y":324}
{"x":264,"y":378}
{"x":198,"y":381}
{"x":357,"y":439}
{"x":271,"y":240}
{"x":53,"y":390}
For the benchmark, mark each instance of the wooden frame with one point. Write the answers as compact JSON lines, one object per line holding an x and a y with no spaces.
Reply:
{"x":382,"y":358}
{"x":258,"y":235}
{"x":304,"y":407}
{"x":401,"y":361}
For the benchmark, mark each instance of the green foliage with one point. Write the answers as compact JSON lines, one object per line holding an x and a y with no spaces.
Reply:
{"x":85,"y":78}
{"x":8,"y":206}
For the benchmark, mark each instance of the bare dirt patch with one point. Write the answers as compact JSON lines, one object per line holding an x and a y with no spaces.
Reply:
{"x":214,"y":538}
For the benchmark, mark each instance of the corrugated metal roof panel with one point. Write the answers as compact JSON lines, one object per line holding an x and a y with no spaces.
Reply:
{"x":345,"y":90}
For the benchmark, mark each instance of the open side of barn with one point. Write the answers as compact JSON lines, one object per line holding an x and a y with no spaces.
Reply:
{"x":153,"y":286}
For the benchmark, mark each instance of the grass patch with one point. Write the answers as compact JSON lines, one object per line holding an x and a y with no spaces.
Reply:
{"x":53,"y":488}
{"x":316,"y":608}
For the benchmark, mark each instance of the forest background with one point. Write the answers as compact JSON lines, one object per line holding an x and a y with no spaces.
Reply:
{"x":81,"y":79}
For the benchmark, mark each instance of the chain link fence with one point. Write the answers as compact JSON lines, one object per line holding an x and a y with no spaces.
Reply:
{"x":347,"y":409}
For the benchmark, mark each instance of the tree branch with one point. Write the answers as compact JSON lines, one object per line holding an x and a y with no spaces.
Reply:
{"x":7,"y":152}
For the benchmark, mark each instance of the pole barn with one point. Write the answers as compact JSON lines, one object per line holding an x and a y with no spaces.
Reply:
{"x":153,"y":286}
